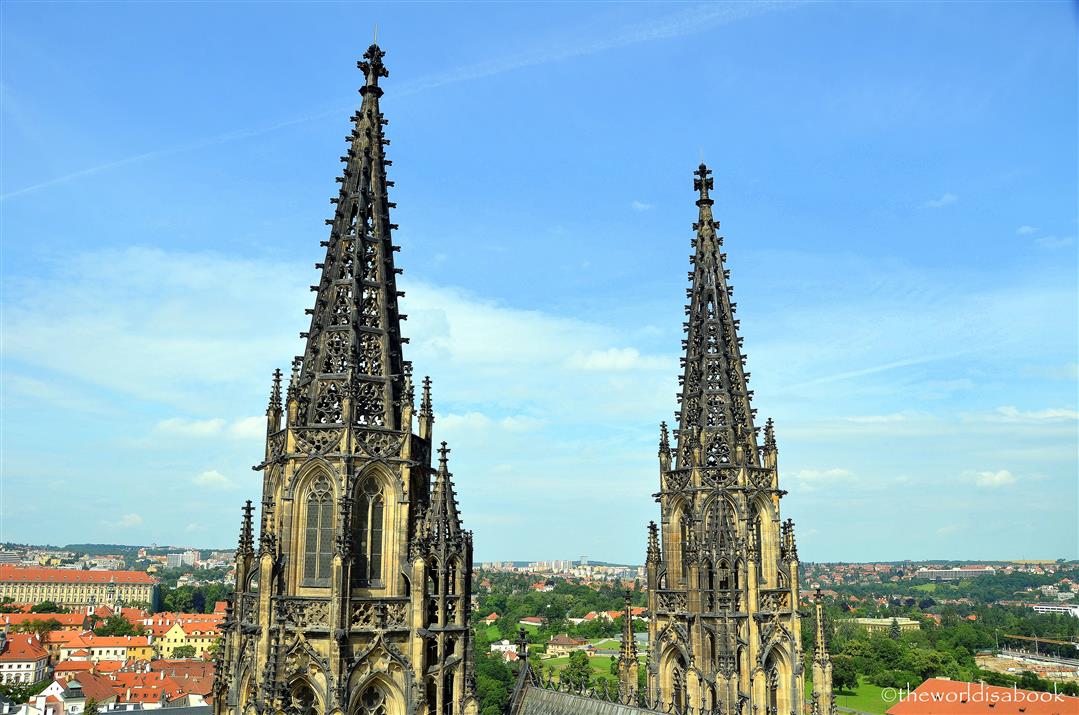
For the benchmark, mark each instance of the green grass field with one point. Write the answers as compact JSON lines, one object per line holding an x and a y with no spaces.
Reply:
{"x":867,"y":698}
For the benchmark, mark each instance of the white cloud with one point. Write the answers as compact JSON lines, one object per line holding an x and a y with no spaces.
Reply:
{"x":993,"y":480}
{"x":1025,"y":230}
{"x":1009,"y":413}
{"x":949,"y":529}
{"x":213,"y":479}
{"x":812,"y":479}
{"x":877,"y":419}
{"x":194,"y":527}
{"x":618,"y":359}
{"x":190,"y":428}
{"x":641,"y":206}
{"x":130,"y":520}
{"x":945,"y":199}
{"x":243,"y":428}
{"x":249,"y":427}
{"x":1054,"y":241}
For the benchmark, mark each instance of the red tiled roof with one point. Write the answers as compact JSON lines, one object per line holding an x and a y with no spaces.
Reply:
{"x":22,"y":647}
{"x":72,"y":620}
{"x":938,"y":696}
{"x":68,"y":666}
{"x":10,"y":573}
{"x":96,"y":687}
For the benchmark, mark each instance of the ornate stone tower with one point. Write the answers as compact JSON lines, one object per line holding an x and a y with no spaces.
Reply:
{"x":356,"y":600}
{"x":722,"y":567}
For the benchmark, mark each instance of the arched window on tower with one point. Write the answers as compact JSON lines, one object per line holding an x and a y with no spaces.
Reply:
{"x":758,"y":543}
{"x":679,"y":693}
{"x":373,"y":701}
{"x":302,"y":699}
{"x":370,"y":508}
{"x":318,"y":533}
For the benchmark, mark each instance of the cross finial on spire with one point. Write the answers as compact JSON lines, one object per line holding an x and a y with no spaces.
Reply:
{"x":372,"y":67}
{"x":703,"y":183}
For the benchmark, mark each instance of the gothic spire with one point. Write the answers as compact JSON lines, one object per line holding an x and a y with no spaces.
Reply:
{"x":246,"y":544}
{"x":353,"y":357}
{"x":653,"y":556}
{"x":820,"y":645}
{"x":715,"y":399}
{"x":442,"y":517}
{"x":275,"y":393}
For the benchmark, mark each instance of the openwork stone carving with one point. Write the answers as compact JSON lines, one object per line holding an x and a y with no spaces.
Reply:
{"x":319,"y":441}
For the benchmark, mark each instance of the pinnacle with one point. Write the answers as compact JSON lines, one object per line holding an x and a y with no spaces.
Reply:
{"x":703,"y":183}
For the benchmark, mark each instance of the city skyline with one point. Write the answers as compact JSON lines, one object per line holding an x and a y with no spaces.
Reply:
{"x":908,"y":308}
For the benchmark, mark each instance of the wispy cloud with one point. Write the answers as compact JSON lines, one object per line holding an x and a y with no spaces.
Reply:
{"x":993,"y":480}
{"x":170,"y":151}
{"x":1010,"y":413}
{"x":1025,"y":230}
{"x":129,"y":520}
{"x":1054,"y":241}
{"x":945,"y":199}
{"x":213,"y":479}
{"x":689,"y":21}
{"x":641,"y":206}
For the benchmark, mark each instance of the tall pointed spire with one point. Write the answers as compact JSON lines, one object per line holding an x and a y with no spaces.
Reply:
{"x":442,"y":518}
{"x":653,"y":556}
{"x":275,"y":393}
{"x":715,"y":400}
{"x":353,"y":356}
{"x":246,"y":545}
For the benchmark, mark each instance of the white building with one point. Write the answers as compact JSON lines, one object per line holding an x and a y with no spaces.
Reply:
{"x":23,"y":659}
{"x":1065,"y":608}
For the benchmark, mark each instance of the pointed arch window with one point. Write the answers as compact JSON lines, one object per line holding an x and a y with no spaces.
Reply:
{"x":318,"y":533}
{"x":373,"y":701}
{"x":370,"y":512}
{"x":302,"y":700}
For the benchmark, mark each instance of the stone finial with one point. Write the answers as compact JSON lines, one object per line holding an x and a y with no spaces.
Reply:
{"x":703,"y":183}
{"x":426,"y":410}
{"x":275,"y":392}
{"x":653,"y":543}
{"x":372,"y":67}
{"x":246,"y":544}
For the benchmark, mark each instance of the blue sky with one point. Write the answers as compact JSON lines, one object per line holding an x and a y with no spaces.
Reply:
{"x":896,"y":182}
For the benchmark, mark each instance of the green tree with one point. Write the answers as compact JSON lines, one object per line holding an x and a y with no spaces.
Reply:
{"x":91,"y":707}
{"x":48,"y":607}
{"x":579,"y":672}
{"x":894,"y":632}
{"x":118,"y":626}
{"x":184,"y":651}
{"x":844,"y":673}
{"x":614,"y":666}
{"x":40,"y":628}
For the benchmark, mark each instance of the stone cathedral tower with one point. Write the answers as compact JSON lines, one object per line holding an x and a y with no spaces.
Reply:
{"x":722,"y":566}
{"x":355,"y":598}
